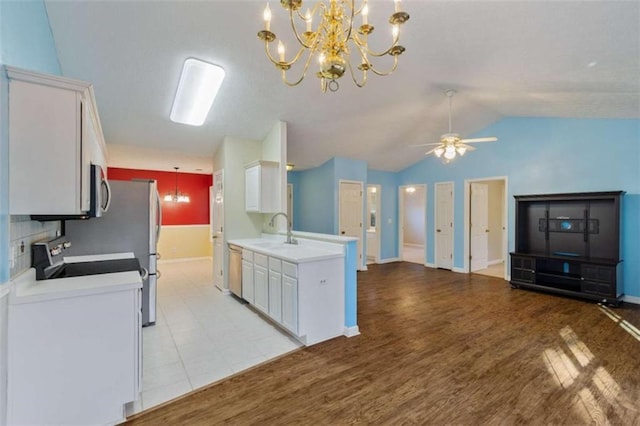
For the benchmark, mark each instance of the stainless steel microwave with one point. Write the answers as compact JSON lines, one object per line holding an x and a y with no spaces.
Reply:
{"x":100,"y":198}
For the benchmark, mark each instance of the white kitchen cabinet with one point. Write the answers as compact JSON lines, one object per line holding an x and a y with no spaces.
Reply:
{"x":74,"y":358}
{"x":54,"y":136}
{"x":262,"y":187}
{"x":247,"y":281}
{"x":261,"y":288}
{"x":275,"y":295}
{"x":290,"y":303}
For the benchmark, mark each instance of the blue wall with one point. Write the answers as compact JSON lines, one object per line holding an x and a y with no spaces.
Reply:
{"x":25,"y":42}
{"x":537,"y":155}
{"x":547,"y":155}
{"x":388,"y":217}
{"x":314,"y":199}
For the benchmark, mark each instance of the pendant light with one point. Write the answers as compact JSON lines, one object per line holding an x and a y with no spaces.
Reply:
{"x":177,"y":197}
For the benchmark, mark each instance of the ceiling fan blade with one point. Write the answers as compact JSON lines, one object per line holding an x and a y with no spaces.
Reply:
{"x":476,"y":140}
{"x":468,"y":147}
{"x":425,"y":144}
{"x":431,"y":151}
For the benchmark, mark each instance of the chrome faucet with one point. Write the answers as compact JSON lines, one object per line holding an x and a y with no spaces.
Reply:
{"x":290,"y":239}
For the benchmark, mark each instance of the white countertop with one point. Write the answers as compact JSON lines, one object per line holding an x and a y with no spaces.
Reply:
{"x":304,"y":251}
{"x":27,"y":290}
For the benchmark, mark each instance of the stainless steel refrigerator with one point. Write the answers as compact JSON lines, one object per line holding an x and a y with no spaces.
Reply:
{"x":131,"y":224}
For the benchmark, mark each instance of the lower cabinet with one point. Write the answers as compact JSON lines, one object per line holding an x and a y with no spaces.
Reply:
{"x":306,"y":299}
{"x":247,"y":281}
{"x":74,"y":359}
{"x":290,"y":303}
{"x":261,"y":288}
{"x":275,"y":289}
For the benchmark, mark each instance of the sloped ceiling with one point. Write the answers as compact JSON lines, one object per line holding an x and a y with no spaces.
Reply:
{"x":509,"y":58}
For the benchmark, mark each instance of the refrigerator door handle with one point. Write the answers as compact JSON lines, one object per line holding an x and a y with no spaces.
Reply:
{"x":159,"y":218}
{"x":144,"y":273}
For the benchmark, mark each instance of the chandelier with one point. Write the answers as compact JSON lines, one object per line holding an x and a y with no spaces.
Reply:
{"x":334,"y":41}
{"x":177,"y":197}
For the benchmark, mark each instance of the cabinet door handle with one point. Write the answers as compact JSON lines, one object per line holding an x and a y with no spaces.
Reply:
{"x":343,"y":232}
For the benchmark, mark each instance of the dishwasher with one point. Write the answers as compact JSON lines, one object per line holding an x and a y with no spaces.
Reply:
{"x":235,"y":270}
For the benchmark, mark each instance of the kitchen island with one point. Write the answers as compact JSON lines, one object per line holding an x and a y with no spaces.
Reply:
{"x":304,"y":288}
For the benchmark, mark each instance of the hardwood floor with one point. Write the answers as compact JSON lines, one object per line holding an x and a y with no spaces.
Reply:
{"x":442,"y":348}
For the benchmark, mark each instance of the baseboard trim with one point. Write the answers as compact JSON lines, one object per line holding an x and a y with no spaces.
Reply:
{"x":183,"y":259}
{"x":430,"y":265}
{"x":351,"y":331}
{"x":459,"y":270}
{"x":631,"y":299}
{"x":363,"y":268}
{"x":389,"y":260}
{"x":494,"y":262}
{"x":415,"y":245}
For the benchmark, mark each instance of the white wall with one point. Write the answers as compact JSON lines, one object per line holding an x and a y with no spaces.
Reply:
{"x":414,"y":216}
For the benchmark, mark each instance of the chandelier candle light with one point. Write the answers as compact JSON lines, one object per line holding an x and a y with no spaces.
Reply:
{"x":177,"y":197}
{"x":333,"y":41}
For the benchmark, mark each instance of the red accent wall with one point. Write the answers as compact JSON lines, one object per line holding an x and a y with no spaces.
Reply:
{"x":196,"y":186}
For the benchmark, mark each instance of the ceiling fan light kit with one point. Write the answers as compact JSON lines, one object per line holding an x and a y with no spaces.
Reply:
{"x":335,"y":39}
{"x":451,"y":144}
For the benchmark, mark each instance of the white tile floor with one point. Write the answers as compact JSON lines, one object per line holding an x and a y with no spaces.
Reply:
{"x":200,"y":335}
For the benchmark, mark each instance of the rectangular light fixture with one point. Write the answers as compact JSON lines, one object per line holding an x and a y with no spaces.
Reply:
{"x":198,"y":86}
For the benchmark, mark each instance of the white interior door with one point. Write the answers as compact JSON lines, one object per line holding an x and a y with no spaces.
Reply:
{"x":217,"y":228}
{"x":444,"y":225}
{"x":479,"y":226}
{"x":350,"y":217}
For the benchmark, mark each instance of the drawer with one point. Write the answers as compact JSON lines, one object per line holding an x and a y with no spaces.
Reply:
{"x":247,"y":255}
{"x":260,"y":259}
{"x":597,"y":288}
{"x":275,"y":264}
{"x":604,"y":274}
{"x":290,"y":269}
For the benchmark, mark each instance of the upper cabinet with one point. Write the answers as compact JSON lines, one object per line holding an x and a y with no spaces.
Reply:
{"x":54,"y":136}
{"x":262,"y":187}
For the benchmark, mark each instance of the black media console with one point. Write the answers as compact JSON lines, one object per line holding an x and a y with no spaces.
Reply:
{"x":569,"y":244}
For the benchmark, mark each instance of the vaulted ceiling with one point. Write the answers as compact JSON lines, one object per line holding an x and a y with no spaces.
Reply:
{"x":505,"y":58}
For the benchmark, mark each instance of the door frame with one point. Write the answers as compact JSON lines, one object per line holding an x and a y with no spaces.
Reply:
{"x":453,"y":222}
{"x":376,"y":255}
{"x":223,"y":246}
{"x":362,"y":263}
{"x":467,"y":220}
{"x":401,"y":194}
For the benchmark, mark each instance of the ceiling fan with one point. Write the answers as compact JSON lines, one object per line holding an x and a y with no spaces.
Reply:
{"x":451,"y":143}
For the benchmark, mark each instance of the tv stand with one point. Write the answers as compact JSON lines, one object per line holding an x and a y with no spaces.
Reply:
{"x":599,"y":281}
{"x":569,"y":244}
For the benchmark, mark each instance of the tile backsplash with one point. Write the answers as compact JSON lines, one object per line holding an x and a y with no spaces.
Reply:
{"x":22,"y":233}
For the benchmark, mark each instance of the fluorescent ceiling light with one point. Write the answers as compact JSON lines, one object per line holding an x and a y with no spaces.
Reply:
{"x":198,"y":86}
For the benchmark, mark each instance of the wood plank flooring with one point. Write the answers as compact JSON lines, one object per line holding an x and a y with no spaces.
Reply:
{"x":441,"y":348}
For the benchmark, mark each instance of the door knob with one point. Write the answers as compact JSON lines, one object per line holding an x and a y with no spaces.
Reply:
{"x":486,"y":230}
{"x":437,"y":230}
{"x":343,"y":232}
